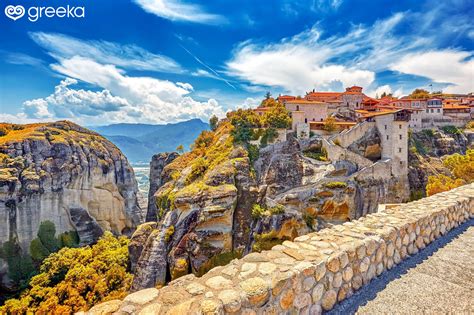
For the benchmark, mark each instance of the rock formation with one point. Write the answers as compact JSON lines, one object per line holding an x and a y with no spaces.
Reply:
{"x":213,"y":204}
{"x":68,"y":175}
{"x":427,"y":147}
{"x":157,"y":164}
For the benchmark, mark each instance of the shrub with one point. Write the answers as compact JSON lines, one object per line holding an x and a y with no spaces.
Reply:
{"x":308,"y":219}
{"x":198,"y":168}
{"x":258,"y":211}
{"x":335,"y":185}
{"x":253,"y":152}
{"x":75,"y":279}
{"x":451,"y":130}
{"x":169,"y":233}
{"x":266,"y":241}
{"x":69,"y":239}
{"x":329,"y":124}
{"x":20,"y":265}
{"x":269,"y":135}
{"x":3,"y":131}
{"x":462,"y":172}
{"x":317,"y":154}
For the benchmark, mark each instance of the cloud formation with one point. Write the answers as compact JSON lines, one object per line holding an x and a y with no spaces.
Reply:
{"x":67,"y":103}
{"x":310,"y":60}
{"x":124,"y":56}
{"x":455,"y":68}
{"x":176,"y":10}
{"x":123,"y":98}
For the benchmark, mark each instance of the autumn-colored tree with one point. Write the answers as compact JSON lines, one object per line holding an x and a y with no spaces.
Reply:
{"x":462,"y":173}
{"x":277,"y":117}
{"x":75,"y":279}
{"x":180,"y":149}
{"x":270,"y":102}
{"x":329,"y":124}
{"x":419,"y":93}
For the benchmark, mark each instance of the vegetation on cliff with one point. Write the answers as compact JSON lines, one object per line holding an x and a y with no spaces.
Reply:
{"x":462,"y":173}
{"x":75,"y":279}
{"x":22,"y":266}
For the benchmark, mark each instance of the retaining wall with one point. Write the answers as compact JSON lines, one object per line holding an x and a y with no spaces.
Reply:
{"x":312,"y":273}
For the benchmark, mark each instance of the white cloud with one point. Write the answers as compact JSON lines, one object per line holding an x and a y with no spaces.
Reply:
{"x":309,"y":60}
{"x":379,"y":91}
{"x":69,"y":103}
{"x":125,"y":56}
{"x":176,"y":10}
{"x":295,"y":64}
{"x":445,"y":66}
{"x":123,"y":98}
{"x":249,"y":102}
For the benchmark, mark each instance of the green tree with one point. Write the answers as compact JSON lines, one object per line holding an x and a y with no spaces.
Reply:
{"x":47,"y":235}
{"x":268,"y":95}
{"x":213,"y":121}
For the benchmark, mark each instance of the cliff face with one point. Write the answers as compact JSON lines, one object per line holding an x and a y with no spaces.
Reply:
{"x":66,"y":174}
{"x":157,"y":164}
{"x":427,"y":147}
{"x":213,"y":205}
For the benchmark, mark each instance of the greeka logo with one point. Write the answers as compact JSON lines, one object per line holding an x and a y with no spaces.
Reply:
{"x":14,"y":12}
{"x":35,"y":13}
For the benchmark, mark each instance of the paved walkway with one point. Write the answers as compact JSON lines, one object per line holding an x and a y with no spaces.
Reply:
{"x":438,"y":280}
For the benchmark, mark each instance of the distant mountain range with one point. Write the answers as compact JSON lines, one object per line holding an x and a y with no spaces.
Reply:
{"x":140,"y":141}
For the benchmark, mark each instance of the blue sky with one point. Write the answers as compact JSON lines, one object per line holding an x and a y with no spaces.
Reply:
{"x":159,"y":61}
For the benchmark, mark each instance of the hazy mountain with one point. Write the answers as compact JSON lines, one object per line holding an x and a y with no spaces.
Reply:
{"x":140,"y":141}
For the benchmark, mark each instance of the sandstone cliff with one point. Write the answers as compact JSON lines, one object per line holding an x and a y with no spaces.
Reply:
{"x":68,"y":175}
{"x":427,"y":147}
{"x":214,"y":204}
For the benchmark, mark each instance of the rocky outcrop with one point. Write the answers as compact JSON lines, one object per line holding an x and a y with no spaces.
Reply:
{"x":369,"y":146}
{"x":213,"y":205}
{"x":202,"y":207}
{"x":157,"y":164}
{"x":426,"y":149}
{"x":68,"y":175}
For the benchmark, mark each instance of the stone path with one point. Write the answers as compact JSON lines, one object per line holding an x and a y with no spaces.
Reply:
{"x":438,"y":280}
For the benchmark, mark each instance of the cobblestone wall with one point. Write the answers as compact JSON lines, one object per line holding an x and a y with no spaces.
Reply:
{"x":312,"y":273}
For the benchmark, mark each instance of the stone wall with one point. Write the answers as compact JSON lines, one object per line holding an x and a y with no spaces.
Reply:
{"x":312,"y":273}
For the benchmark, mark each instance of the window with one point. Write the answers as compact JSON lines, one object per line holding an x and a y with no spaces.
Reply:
{"x":297,"y":107}
{"x":401,"y":162}
{"x":306,"y":120}
{"x":400,"y":137}
{"x":387,"y":137}
{"x":399,"y":126}
{"x":427,"y":111}
{"x":399,"y":150}
{"x":385,"y":127}
{"x":432,"y":110}
{"x":439,"y":110}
